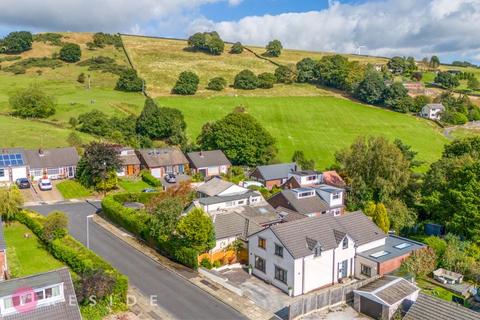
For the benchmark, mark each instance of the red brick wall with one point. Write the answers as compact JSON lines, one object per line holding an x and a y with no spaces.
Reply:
{"x":391,"y":265}
{"x":271,"y":183}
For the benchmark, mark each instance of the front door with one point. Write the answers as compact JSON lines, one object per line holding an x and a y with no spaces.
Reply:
{"x":70,"y":172}
{"x":130,"y":170}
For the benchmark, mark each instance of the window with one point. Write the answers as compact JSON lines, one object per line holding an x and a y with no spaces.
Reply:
{"x":48,"y":293}
{"x":366,"y":270}
{"x":2,"y":172}
{"x":262,"y":243}
{"x":336,"y":196}
{"x":281,"y":274}
{"x":278,"y":250}
{"x":260,"y":264}
{"x":39,"y":295}
{"x":306,"y":194}
{"x":317,"y":252}
{"x":229,"y":204}
{"x":379,"y":254}
{"x":403,"y":245}
{"x":310,"y":178}
{"x":53,"y":171}
{"x":345,"y":243}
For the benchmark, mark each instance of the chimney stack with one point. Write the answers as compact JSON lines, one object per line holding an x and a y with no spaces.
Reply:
{"x":40,"y":152}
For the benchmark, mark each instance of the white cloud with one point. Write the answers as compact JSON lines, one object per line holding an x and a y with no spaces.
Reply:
{"x":388,"y":27}
{"x":234,"y":2}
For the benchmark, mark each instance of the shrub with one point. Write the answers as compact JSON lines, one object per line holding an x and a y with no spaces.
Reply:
{"x":150,"y":179}
{"x":101,"y":40}
{"x":16,"y":42}
{"x":187,"y":257}
{"x":129,"y":81}
{"x":49,"y":37}
{"x":217,"y":84}
{"x":217,"y":264}
{"x":207,"y":41}
{"x":274,"y":48}
{"x":22,"y":66}
{"x":206,"y":263}
{"x":237,"y":48}
{"x":10,"y":58}
{"x":104,"y":64}
{"x":266,"y":80}
{"x":246,"y":80}
{"x":70,"y":52}
{"x":447,"y":80}
{"x":187,"y":83}
{"x":81,"y":78}
{"x":453,"y":117}
{"x":55,"y":226}
{"x":32,"y":103}
{"x":284,"y":75}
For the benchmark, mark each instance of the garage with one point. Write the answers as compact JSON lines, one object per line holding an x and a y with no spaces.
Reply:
{"x":157,"y":172}
{"x":370,"y":308}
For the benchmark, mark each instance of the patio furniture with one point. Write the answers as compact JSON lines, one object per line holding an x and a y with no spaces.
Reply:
{"x":447,"y":277}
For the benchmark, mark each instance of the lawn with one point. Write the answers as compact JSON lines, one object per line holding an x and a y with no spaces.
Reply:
{"x":71,"y":189}
{"x":319,"y":126}
{"x":26,"y":256}
{"x":131,"y":185}
{"x":435,"y":290}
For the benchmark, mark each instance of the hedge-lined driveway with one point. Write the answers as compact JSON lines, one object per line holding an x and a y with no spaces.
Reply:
{"x":174,"y":294}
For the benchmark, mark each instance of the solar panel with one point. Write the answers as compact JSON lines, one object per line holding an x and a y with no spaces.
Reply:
{"x":11,"y":160}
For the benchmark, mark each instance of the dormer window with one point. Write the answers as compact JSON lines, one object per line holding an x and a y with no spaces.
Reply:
{"x":317,"y":252}
{"x":345,"y":243}
{"x":336,"y":196}
{"x":304,"y":193}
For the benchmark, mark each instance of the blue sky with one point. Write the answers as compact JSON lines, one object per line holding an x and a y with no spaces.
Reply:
{"x":419,"y":28}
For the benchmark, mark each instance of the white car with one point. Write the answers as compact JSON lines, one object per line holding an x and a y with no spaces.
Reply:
{"x":45,"y":184}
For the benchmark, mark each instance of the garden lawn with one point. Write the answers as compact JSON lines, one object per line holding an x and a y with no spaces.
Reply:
{"x":26,"y":256}
{"x":72,"y":189}
{"x":319,"y":126}
{"x":435,"y":290}
{"x":134,"y":186}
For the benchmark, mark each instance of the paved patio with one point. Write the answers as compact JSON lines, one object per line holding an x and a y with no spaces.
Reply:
{"x":342,"y":312}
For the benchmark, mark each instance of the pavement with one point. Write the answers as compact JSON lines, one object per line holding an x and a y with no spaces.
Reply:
{"x":175,"y":296}
{"x":341,"y":312}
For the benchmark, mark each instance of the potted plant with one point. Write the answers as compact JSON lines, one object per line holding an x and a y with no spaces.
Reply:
{"x":250,"y":268}
{"x":290,"y":291}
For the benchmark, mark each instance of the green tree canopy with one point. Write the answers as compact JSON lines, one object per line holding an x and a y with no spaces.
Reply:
{"x":400,"y":216}
{"x":371,"y":88}
{"x":70,"y":52}
{"x":393,"y":94}
{"x":285,"y":74}
{"x":11,"y":200}
{"x":217,"y":84}
{"x":98,"y":163}
{"x":246,"y":80}
{"x":434,"y":62}
{"x":421,"y":262}
{"x":237,"y":48}
{"x":306,"y":70}
{"x":241,"y":137}
{"x":266,"y":80}
{"x":207,"y":41}
{"x":129,"y":81}
{"x":187,"y":83}
{"x":32,"y":102}
{"x":380,"y":217}
{"x":16,"y":42}
{"x":196,"y":230}
{"x":55,"y":225}
{"x":304,"y":163}
{"x":274,"y":48}
{"x":164,"y":218}
{"x":447,"y":80}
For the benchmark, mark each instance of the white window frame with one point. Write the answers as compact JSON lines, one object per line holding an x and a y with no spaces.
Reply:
{"x":53,"y":299}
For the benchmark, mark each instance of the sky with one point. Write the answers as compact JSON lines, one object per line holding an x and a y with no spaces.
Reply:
{"x":419,"y":28}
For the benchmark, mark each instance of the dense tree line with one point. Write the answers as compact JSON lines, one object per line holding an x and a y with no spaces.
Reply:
{"x":16,"y":42}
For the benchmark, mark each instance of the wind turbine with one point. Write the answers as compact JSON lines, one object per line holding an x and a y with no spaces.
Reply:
{"x":359,"y":48}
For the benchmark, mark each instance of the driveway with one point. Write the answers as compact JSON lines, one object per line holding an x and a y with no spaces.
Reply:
{"x":179,"y":177}
{"x":47,"y":195}
{"x":175,"y":295}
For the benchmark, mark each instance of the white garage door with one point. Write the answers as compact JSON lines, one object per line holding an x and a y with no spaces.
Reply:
{"x":213,"y":171}
{"x":157,"y":173}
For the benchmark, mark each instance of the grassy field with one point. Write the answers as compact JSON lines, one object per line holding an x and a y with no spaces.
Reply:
{"x":319,"y":126}
{"x":71,"y":189}
{"x":26,"y":256}
{"x":130,"y":185}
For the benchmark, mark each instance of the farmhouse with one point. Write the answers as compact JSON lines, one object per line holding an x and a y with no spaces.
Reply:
{"x":54,"y":297}
{"x":57,"y":163}
{"x":311,"y":201}
{"x":130,"y":162}
{"x":208,"y":163}
{"x":12,"y":165}
{"x":432,"y":111}
{"x":163,"y":161}
{"x":274,"y":174}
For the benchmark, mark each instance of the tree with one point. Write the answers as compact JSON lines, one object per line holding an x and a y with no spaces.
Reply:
{"x":399,"y":215}
{"x":380,"y":217}
{"x":375,"y":169}
{"x":306,"y":70}
{"x":434,"y":62}
{"x":473,"y":84}
{"x":266,"y":80}
{"x":421,"y":262}
{"x":164,"y":219}
{"x":11,"y":200}
{"x":161,"y":123}
{"x":274,"y":48}
{"x":419,"y":102}
{"x":302,"y":161}
{"x":97,"y":165}
{"x":237,"y":48}
{"x":217,"y":84}
{"x":284,"y":74}
{"x":187,"y":83}
{"x":81,"y":78}
{"x":70,"y":52}
{"x":94,"y":122}
{"x":129,"y":81}
{"x":196,"y":230}
{"x":32,"y":102}
{"x":245,"y":80}
{"x":207,"y":41}
{"x":74,"y":140}
{"x":371,"y":88}
{"x":397,"y":65}
{"x":393,"y":95}
{"x":446,"y":80}
{"x":94,"y":283}
{"x":241,"y":137}
{"x":16,"y":42}
{"x":55,"y":226}
{"x":332,"y":71}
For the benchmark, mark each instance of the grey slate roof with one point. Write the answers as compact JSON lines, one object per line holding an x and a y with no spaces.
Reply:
{"x":233,"y":225}
{"x":304,"y":205}
{"x":52,"y":158}
{"x":62,"y":310}
{"x":203,"y":159}
{"x":389,"y":289}
{"x":214,"y":186}
{"x":325,"y":230}
{"x":276,"y":171}
{"x":427,"y":308}
{"x":389,"y":246}
{"x":261,"y":214}
{"x":430,"y":106}
{"x":170,"y":156}
{"x":218,"y":199}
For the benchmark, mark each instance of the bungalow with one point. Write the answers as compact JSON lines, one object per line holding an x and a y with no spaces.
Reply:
{"x":48,"y":295}
{"x":432,"y":111}
{"x":307,"y":254}
{"x":208,"y":163}
{"x":130,"y":162}
{"x":274,"y":174}
{"x":311,"y":201}
{"x":12,"y":165}
{"x":427,"y":307}
{"x":310,"y":178}
{"x":57,"y":163}
{"x":163,"y":161}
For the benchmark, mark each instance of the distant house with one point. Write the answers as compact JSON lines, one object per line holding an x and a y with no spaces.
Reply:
{"x":208,"y":163}
{"x":310,"y":178}
{"x":13,"y":165}
{"x":414,"y":87}
{"x":432,"y":111}
{"x":48,"y":295}
{"x":306,"y":178}
{"x":311,"y":201}
{"x":427,"y":307}
{"x":274,"y":174}
{"x":332,"y":178}
{"x":130,"y":162}
{"x":163,"y":161}
{"x":381,"y":298}
{"x":57,"y":163}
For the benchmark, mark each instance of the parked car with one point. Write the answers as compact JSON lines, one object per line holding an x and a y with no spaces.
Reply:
{"x":45,"y":184}
{"x":170,"y":178}
{"x":23,"y":183}
{"x":149,"y":190}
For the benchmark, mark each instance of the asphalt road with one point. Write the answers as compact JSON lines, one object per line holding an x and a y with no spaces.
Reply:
{"x":177,"y":296}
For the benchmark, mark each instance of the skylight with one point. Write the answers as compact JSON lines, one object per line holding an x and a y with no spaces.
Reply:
{"x":379,"y":254}
{"x":403,"y":245}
